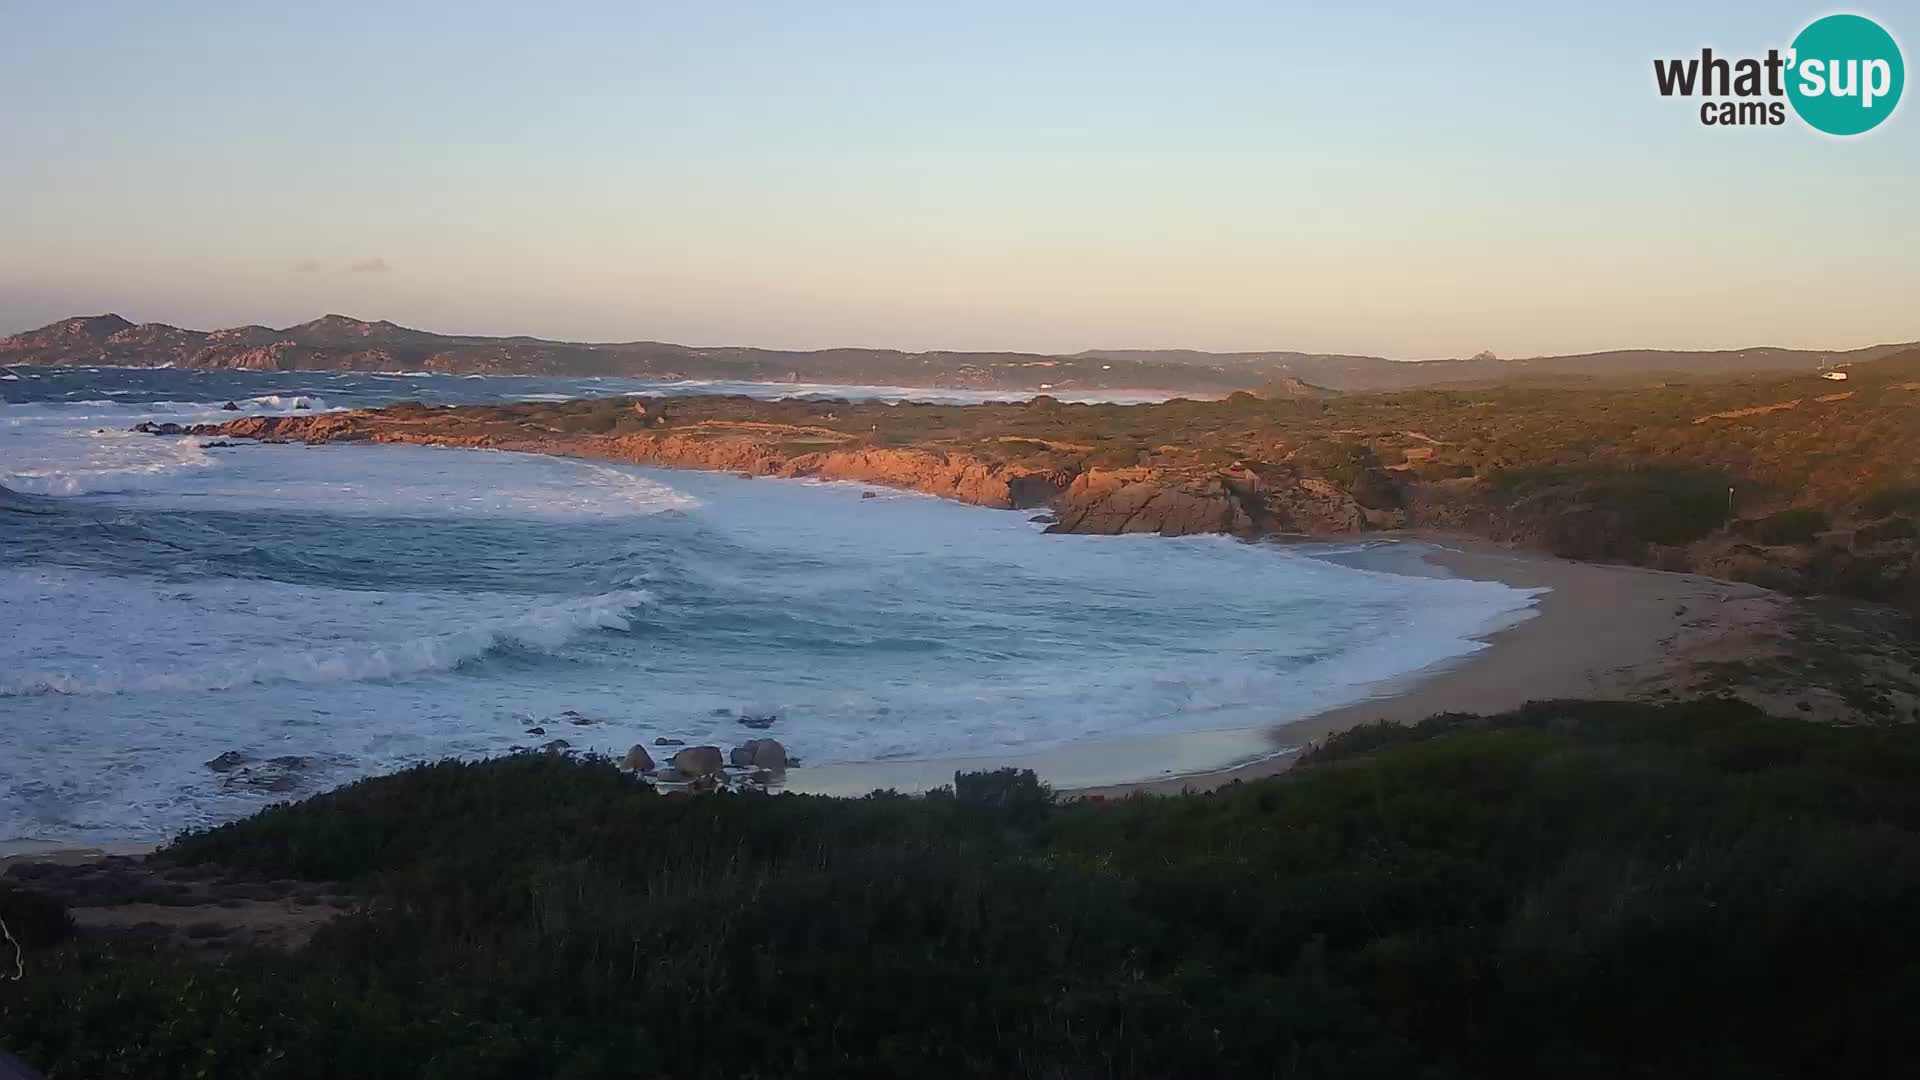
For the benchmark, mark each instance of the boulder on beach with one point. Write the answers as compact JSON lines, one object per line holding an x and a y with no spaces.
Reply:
{"x":637,"y":759}
{"x":760,"y":754}
{"x":665,"y":741}
{"x":556,"y":746}
{"x":758,"y":723}
{"x":229,"y":761}
{"x":698,"y":761}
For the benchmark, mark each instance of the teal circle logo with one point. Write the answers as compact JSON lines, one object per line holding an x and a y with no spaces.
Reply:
{"x":1845,"y":74}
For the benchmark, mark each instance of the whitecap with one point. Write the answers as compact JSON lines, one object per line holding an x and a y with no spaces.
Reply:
{"x":111,"y":461}
{"x":173,"y":629}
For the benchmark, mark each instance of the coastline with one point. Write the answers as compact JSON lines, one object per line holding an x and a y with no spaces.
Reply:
{"x":53,"y":851}
{"x":1638,"y":631}
{"x":1632,"y":627}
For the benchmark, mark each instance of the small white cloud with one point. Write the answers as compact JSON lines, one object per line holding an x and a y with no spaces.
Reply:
{"x":375,"y":265}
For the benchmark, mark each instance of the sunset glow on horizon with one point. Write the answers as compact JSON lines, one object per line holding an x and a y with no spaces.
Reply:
{"x":1388,"y":179}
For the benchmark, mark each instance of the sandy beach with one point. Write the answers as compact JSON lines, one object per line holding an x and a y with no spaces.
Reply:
{"x":1602,"y":631}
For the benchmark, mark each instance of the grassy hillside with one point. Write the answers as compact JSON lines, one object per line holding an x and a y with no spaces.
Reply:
{"x":1577,"y":889}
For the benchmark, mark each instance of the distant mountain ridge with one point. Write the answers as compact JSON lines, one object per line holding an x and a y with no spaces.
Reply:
{"x":1335,"y":372}
{"x":342,"y":343}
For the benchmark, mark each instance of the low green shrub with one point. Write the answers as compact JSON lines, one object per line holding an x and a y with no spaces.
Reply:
{"x":1575,"y":888}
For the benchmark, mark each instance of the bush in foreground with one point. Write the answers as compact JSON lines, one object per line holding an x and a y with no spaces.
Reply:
{"x":1575,"y":888}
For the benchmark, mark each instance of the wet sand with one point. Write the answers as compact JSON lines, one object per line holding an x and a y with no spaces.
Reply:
{"x":1602,"y":631}
{"x":44,"y":851}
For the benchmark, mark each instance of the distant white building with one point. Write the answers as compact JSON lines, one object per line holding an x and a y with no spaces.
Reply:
{"x":1836,"y":376}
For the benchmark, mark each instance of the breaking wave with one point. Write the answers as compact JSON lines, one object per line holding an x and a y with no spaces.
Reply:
{"x":543,"y":628}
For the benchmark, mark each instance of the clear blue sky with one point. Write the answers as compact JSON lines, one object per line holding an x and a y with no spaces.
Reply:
{"x":1409,"y":179}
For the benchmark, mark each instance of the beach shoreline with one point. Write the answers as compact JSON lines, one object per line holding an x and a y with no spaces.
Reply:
{"x":1599,"y":631}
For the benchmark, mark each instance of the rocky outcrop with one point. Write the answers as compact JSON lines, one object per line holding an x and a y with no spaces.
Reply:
{"x":1313,"y":507}
{"x":1139,"y":501}
{"x":276,"y":774}
{"x":637,"y":759}
{"x":698,"y":761}
{"x":759,"y":754}
{"x":1611,"y":477}
{"x":1237,"y":500}
{"x":960,"y":477}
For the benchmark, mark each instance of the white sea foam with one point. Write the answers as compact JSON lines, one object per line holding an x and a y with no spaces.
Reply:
{"x":284,"y":403}
{"x":410,"y":481}
{"x":86,"y":448}
{"x":219,"y":635}
{"x":83,"y":462}
{"x":364,"y":613}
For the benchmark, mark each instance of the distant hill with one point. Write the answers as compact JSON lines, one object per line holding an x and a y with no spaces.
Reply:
{"x":341,"y":343}
{"x":1347,"y":373}
{"x":1290,"y":387}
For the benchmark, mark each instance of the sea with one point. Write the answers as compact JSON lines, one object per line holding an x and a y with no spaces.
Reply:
{"x":190,"y":631}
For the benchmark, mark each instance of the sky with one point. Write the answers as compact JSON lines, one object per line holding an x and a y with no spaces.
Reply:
{"x":1403,"y":179}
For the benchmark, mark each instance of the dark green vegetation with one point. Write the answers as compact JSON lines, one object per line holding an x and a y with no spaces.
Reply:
{"x":1574,"y":889}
